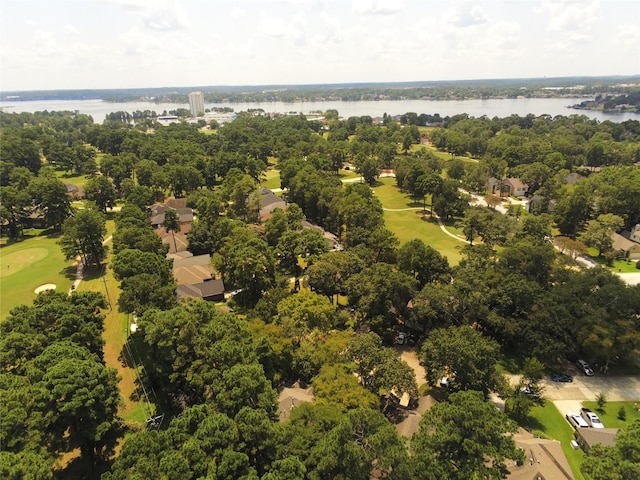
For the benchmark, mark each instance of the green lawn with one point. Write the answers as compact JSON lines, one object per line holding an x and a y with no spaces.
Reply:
{"x":410,"y":224}
{"x":622,"y":266}
{"x":77,"y":180}
{"x":272,"y":179}
{"x":609,"y":416}
{"x":548,"y":422}
{"x":26,"y":265}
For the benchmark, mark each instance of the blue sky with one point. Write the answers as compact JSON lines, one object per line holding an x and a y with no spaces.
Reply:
{"x":69,"y":44}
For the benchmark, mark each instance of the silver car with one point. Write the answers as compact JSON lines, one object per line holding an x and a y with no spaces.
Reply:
{"x":584,"y":366}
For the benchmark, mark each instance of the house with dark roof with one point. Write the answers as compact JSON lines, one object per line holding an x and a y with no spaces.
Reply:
{"x":211,"y":290}
{"x":195,"y":277}
{"x":269,"y":201}
{"x":185,"y":214}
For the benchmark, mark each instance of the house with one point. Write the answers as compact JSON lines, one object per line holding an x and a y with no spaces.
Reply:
{"x":588,"y":437}
{"x":625,"y":248}
{"x":507,"y":187}
{"x":195,"y":277}
{"x":185,"y":214}
{"x":210,"y":290}
{"x":193,"y":269}
{"x":572,"y":178}
{"x":291,"y":397}
{"x":332,"y":240}
{"x":634,"y":235}
{"x":514,"y":187}
{"x":544,"y":459}
{"x":269,"y":201}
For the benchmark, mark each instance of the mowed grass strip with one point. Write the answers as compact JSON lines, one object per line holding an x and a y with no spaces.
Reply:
{"x":407,"y":221}
{"x":28,"y":264}
{"x":115,"y":333}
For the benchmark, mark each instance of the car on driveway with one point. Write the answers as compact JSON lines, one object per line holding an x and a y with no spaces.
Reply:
{"x":561,"y":377}
{"x":584,"y":366}
{"x":591,"y":418}
{"x":530,"y":392}
{"x":576,"y":421}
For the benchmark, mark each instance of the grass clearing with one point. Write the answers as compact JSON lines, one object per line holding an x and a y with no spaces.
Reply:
{"x":620,"y":266}
{"x":609,"y":415}
{"x":548,"y":422}
{"x":116,"y":326}
{"x":272,"y":179}
{"x":27,"y":264}
{"x":411,"y":223}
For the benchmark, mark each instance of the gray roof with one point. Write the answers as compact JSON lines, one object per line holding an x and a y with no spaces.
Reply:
{"x":204,"y":290}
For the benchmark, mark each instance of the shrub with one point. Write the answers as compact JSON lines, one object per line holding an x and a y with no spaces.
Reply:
{"x":622,"y":414}
{"x":601,"y":400}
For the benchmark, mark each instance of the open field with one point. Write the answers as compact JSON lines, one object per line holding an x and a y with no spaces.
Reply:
{"x":548,"y":422}
{"x":26,"y":265}
{"x":411,"y":223}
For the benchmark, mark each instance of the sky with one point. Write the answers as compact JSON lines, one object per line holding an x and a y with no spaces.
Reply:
{"x":91,"y":44}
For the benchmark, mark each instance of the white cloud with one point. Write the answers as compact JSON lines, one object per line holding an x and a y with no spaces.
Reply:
{"x":237,"y":13}
{"x":164,"y":15}
{"x":377,"y":7}
{"x":571,"y":16}
{"x":71,"y":29}
{"x":465,"y":16}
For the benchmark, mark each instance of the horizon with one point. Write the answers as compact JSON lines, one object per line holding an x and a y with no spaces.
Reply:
{"x":122,"y":44}
{"x":364,"y":84}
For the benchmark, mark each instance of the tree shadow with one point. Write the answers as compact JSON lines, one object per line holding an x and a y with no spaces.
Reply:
{"x":69,"y":272}
{"x":532,"y":424}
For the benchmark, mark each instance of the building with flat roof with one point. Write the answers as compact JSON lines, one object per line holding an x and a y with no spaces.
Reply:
{"x":196,"y":103}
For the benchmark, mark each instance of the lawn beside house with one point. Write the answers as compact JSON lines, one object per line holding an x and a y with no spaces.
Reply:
{"x":609,"y":416}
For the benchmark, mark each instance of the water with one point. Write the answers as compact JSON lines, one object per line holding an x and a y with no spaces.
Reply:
{"x":98,"y":109}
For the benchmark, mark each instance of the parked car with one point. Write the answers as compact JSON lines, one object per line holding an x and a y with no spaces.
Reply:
{"x":576,"y":421}
{"x":591,"y":418}
{"x":561,"y":377}
{"x":530,"y":392}
{"x":401,"y":338}
{"x":584,"y":366}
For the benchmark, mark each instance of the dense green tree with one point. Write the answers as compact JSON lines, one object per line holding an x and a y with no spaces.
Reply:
{"x":424,"y":262}
{"x":14,"y":209}
{"x":50,"y":194}
{"x":463,"y":355}
{"x":463,"y":438}
{"x":598,"y":233}
{"x":101,"y":191}
{"x":362,"y":442}
{"x":300,"y":313}
{"x":246,"y":262}
{"x":83,"y":235}
{"x":379,"y":290}
{"x":128,"y":263}
{"x":171,"y":223}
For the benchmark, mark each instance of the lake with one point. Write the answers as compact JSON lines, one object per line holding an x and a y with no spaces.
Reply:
{"x":98,"y":109}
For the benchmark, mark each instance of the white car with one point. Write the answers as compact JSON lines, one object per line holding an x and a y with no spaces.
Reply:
{"x":591,"y":418}
{"x":576,"y":421}
{"x":584,"y":366}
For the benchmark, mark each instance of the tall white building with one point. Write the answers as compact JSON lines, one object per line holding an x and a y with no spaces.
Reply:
{"x":196,"y":103}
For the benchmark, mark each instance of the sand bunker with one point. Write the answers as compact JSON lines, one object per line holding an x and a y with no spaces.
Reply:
{"x":46,"y":286}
